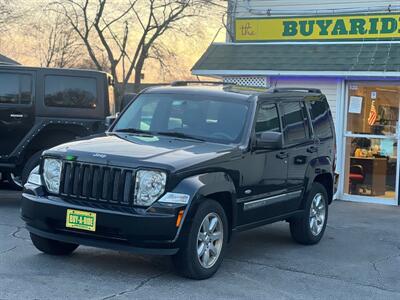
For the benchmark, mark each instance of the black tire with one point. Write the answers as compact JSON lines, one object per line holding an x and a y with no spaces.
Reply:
{"x":186,"y":261}
{"x":30,"y":164}
{"x":300,"y":227}
{"x":52,"y":247}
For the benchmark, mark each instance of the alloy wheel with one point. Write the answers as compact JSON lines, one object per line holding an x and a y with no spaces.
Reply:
{"x":210,"y":240}
{"x":317,"y":214}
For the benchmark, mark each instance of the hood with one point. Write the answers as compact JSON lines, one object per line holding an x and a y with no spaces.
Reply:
{"x":134,"y":151}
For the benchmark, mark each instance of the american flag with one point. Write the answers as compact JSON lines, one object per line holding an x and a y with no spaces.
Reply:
{"x":372,"y":114}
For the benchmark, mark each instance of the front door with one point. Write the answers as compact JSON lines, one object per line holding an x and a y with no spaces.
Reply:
{"x":265,"y":172}
{"x":16,"y":109}
{"x":371,"y":142}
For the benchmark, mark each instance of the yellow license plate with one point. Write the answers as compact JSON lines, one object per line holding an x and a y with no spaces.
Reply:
{"x":83,"y":220}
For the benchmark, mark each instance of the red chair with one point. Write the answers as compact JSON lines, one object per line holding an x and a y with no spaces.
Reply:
{"x":356,"y":177}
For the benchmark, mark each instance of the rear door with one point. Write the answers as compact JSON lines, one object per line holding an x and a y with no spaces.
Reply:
{"x":324,"y":131}
{"x":300,"y":148}
{"x":16,"y":108}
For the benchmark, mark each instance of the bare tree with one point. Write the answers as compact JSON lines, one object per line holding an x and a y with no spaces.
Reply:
{"x":8,"y":14}
{"x":129,"y":35}
{"x":59,"y":45}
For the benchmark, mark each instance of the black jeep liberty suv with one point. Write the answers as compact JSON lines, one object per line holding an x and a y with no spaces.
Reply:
{"x":182,"y":169}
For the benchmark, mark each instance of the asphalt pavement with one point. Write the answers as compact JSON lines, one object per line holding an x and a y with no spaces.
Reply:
{"x":359,"y":258}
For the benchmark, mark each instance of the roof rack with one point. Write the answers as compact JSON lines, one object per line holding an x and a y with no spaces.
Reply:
{"x":187,"y":82}
{"x":277,"y":90}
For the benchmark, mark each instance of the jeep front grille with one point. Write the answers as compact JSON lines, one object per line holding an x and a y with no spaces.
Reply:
{"x":98,"y":183}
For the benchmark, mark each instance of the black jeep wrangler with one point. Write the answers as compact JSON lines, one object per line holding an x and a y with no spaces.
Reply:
{"x":182,"y":169}
{"x":42,"y":107}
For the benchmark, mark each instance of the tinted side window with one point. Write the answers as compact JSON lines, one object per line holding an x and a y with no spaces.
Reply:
{"x":267,"y":119}
{"x":294,"y":120}
{"x":68,"y":91}
{"x":15,"y":88}
{"x":320,"y":116}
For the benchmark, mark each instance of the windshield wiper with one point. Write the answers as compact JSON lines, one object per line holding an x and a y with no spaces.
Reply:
{"x":135,"y":131}
{"x":180,"y":135}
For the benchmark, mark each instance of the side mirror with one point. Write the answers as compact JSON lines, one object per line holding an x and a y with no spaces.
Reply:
{"x":269,"y":140}
{"x":126,"y":99}
{"x":110,"y":120}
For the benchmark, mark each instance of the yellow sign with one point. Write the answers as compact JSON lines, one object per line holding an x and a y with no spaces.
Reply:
{"x":78,"y":219}
{"x":354,"y":27}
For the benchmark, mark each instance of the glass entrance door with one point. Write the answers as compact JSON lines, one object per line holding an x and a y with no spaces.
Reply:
{"x":370,"y":140}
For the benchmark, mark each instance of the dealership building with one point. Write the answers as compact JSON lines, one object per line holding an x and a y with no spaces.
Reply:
{"x":351,"y":52}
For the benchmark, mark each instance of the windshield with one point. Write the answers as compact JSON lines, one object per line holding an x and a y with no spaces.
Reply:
{"x":186,"y":116}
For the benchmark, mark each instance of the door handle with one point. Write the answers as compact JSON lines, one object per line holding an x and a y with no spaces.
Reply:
{"x":282,"y":155}
{"x":312,"y":149}
{"x":16,"y":116}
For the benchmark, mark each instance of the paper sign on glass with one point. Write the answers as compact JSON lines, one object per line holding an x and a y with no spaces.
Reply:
{"x":355,"y":105}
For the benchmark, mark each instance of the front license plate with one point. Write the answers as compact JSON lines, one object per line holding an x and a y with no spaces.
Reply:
{"x":83,"y":220}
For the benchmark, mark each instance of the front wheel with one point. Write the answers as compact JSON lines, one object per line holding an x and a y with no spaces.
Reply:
{"x":203,"y":249}
{"x":52,"y":247}
{"x":309,"y":228}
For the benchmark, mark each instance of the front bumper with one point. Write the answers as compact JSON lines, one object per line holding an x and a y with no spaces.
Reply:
{"x":151,"y":231}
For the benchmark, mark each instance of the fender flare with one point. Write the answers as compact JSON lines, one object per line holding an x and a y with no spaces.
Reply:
{"x":199,"y":187}
{"x":43,"y":125}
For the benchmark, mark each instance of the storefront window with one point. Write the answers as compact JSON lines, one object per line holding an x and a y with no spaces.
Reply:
{"x":373,"y":108}
{"x":371,"y":167}
{"x":371,"y":140}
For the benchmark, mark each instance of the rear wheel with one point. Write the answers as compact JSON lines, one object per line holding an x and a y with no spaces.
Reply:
{"x":202,"y":252}
{"x":309,"y":228}
{"x":52,"y":247}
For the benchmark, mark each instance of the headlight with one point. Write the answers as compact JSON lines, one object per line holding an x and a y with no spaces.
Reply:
{"x":52,"y":174}
{"x":34,"y":177}
{"x":149,"y":186}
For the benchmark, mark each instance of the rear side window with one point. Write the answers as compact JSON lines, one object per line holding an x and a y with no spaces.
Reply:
{"x":320,"y":116}
{"x":15,"y":88}
{"x":69,"y":91}
{"x":267,"y":119}
{"x":294,"y":122}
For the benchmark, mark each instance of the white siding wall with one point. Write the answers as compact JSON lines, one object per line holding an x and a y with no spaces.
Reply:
{"x":298,"y":7}
{"x":328,"y":86}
